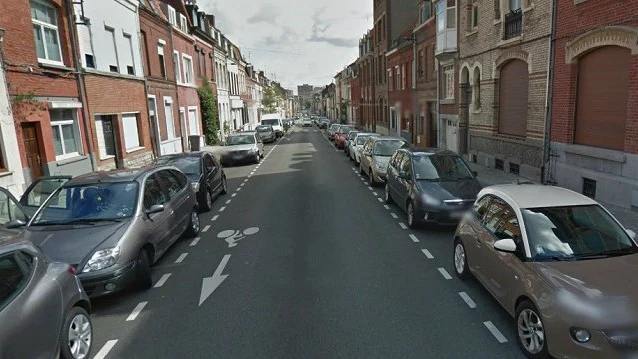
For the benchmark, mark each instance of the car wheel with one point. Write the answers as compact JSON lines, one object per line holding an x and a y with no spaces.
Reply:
{"x":208,"y":203}
{"x":193,"y":224}
{"x":460,"y":260}
{"x":257,"y":158}
{"x":530,"y":331}
{"x":77,"y":335}
{"x":262,"y":155}
{"x":144,"y":270}
{"x":412,"y":221}
{"x":224,"y":185}
{"x":388,"y":197}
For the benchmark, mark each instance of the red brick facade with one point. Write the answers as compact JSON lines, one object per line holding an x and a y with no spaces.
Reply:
{"x":355,"y":96}
{"x":426,"y":78}
{"x":399,"y":62}
{"x":380,"y":40}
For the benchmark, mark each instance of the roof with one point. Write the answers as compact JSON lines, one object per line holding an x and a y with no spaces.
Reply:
{"x":536,"y":195}
{"x":119,"y":175}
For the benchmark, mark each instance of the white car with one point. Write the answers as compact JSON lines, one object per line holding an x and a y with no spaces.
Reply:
{"x":276,"y":121}
{"x":356,"y":145}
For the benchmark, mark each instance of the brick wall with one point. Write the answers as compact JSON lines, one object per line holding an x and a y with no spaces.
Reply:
{"x":380,"y":45}
{"x":155,"y":29}
{"x":401,"y":98}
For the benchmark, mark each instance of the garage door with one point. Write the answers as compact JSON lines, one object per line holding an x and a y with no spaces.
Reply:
{"x":513,"y":87}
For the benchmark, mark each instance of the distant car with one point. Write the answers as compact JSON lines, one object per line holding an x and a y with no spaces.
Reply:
{"x":431,"y":185}
{"x":349,"y":139}
{"x":243,"y":147}
{"x":44,"y":297}
{"x":111,"y":226}
{"x":306,"y":123}
{"x":376,"y":154}
{"x":266,"y":133}
{"x":323,"y":123}
{"x":357,"y":144}
{"x":332,"y":129}
{"x":559,"y":263}
{"x":205,"y":173}
{"x":341,"y":135}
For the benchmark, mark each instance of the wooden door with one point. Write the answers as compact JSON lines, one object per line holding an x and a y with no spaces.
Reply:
{"x":32,"y":149}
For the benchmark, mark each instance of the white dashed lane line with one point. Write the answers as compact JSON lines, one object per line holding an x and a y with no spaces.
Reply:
{"x":105,"y":349}
{"x":379,"y":199}
{"x":222,"y":209}
{"x":394,"y":215}
{"x":402,"y":225}
{"x":370,"y":188}
{"x":181,"y":258}
{"x":238,"y":189}
{"x":444,"y":273}
{"x":162,"y":280}
{"x":495,"y":332}
{"x":206,"y":228}
{"x":214,"y":217}
{"x":375,"y":194}
{"x":233,"y":195}
{"x":228,"y":202}
{"x":136,"y":311}
{"x":470,"y":303}
{"x":386,"y":206}
{"x":414,"y":238}
{"x":195,"y":241}
{"x":427,"y":253}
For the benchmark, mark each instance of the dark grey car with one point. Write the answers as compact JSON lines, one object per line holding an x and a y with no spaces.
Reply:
{"x":43,"y":309}
{"x":267,"y":133}
{"x":111,"y":226}
{"x":431,"y":185}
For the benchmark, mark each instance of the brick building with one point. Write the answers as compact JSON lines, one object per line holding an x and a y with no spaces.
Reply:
{"x":366,"y":82}
{"x":380,"y":37}
{"x":41,"y":80}
{"x":503,"y":60}
{"x":400,"y":85}
{"x":425,"y":94}
{"x":159,"y":70}
{"x":594,"y":117}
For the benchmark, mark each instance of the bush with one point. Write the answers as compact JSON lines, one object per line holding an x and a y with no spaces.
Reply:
{"x":210,"y":118}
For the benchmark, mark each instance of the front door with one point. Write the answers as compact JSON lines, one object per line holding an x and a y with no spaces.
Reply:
{"x":452,"y":135}
{"x":155,"y":133}
{"x":32,"y":149}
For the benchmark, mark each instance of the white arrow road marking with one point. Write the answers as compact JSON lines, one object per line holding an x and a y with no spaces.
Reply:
{"x":136,"y":311}
{"x":495,"y":332}
{"x":105,"y":349}
{"x":427,"y":253}
{"x":181,"y":258}
{"x":162,"y":280}
{"x":195,"y":241}
{"x":470,"y":303}
{"x":402,"y":225}
{"x":414,"y":238}
{"x":209,"y":284}
{"x":444,"y":273}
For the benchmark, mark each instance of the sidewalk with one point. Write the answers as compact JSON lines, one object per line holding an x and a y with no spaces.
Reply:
{"x":490,"y":176}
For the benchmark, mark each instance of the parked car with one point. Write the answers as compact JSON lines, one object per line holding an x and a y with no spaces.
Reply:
{"x":306,"y":123}
{"x":324,"y":123}
{"x":341,"y":135}
{"x":205,"y":173}
{"x":332,"y":129}
{"x":559,"y":263}
{"x":276,"y":121}
{"x":266,"y":133}
{"x":357,"y":144}
{"x":46,"y":299}
{"x":349,"y":138}
{"x":375,"y":155}
{"x":111,"y":226}
{"x":243,"y":147}
{"x":38,"y":191}
{"x":431,"y":185}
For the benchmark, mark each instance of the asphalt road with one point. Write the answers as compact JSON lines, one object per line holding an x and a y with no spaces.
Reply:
{"x":331,"y":273}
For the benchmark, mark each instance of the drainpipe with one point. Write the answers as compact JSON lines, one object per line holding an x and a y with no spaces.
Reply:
{"x":415,"y":107}
{"x":550,"y":93}
{"x":438,"y":102}
{"x":80,"y":79}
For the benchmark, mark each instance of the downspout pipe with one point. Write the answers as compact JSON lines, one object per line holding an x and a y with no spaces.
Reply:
{"x":550,"y":93}
{"x":79,"y":71}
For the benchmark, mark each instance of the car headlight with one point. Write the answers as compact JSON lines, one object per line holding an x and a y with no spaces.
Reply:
{"x":195,"y":186}
{"x":102,"y":259}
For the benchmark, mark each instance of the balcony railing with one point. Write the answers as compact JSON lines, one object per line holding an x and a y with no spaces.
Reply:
{"x":513,"y":23}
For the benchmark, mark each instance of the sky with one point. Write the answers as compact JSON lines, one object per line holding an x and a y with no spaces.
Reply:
{"x":294,"y":41}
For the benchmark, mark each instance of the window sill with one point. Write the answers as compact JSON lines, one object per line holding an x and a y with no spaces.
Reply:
{"x":511,"y":41}
{"x":54,"y":65}
{"x":113,"y":74}
{"x":529,"y":8}
{"x":447,"y":101}
{"x":5,"y":173}
{"x":106,"y":158}
{"x":65,"y":161}
{"x":471,"y":32}
{"x":135,"y":149}
{"x":497,"y":22}
{"x":475,"y":111}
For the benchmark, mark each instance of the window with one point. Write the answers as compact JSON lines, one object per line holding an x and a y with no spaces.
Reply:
{"x":162,"y":62}
{"x":451,"y":17}
{"x":172,"y":183}
{"x":480,"y":208}
{"x":153,"y":192}
{"x":111,"y":33}
{"x":420,"y":63}
{"x":13,"y":276}
{"x":474,"y":17}
{"x":448,"y":84}
{"x":45,"y":30}
{"x":169,"y":118}
{"x":188,"y":69}
{"x":425,"y":11}
{"x":66,"y":137}
{"x":589,"y":187}
{"x":391,"y":85}
{"x":178,"y":72}
{"x":172,"y":16}
{"x":129,"y":56}
{"x":501,"y":220}
{"x":131,"y":132}
{"x":403,"y":77}
{"x":105,"y":136}
{"x":183,"y":24}
{"x":9,"y":209}
{"x":440,"y":15}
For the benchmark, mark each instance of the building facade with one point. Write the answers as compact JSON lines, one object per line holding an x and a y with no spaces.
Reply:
{"x":366,"y":82}
{"x":425,"y":92}
{"x":399,"y":60}
{"x":594,"y":108}
{"x":380,"y":39}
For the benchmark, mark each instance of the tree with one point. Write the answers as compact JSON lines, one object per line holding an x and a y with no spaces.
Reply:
{"x":210,"y":118}
{"x":270,"y":100}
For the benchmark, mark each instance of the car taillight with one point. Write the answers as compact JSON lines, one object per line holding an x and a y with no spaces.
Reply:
{"x":71,"y":270}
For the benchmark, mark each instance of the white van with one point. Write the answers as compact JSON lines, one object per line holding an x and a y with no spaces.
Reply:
{"x":276,"y":121}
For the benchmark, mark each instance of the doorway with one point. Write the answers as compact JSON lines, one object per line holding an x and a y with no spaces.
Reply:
{"x":452,"y":135}
{"x":155,"y":132}
{"x":106,"y":138}
{"x":32,"y":149}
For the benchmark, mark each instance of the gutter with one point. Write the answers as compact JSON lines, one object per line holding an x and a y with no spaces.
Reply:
{"x":550,"y":93}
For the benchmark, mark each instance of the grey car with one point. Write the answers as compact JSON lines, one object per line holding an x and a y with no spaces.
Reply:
{"x":376,"y":154}
{"x":43,"y":309}
{"x":112,"y":226}
{"x":243,"y":147}
{"x":266,"y":133}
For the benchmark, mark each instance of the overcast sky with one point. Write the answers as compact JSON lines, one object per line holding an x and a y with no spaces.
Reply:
{"x":294,"y":41}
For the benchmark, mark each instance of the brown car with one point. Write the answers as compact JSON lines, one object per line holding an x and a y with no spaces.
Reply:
{"x":560,"y":264}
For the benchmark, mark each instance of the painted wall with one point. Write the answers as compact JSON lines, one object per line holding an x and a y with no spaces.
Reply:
{"x":11,"y":177}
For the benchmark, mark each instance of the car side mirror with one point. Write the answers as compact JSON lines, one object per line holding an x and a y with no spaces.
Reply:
{"x":506,"y":245}
{"x":15,"y":223}
{"x":631,"y":233}
{"x":156,"y":208}
{"x":474,"y":173}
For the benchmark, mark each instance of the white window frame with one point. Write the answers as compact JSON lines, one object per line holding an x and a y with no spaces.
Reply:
{"x":178,"y":67}
{"x":168,"y":103}
{"x":403,"y":76}
{"x":129,"y":39}
{"x":55,"y":27}
{"x":137,"y":124}
{"x":183,"y":24}
{"x":111,"y":30}
{"x":448,"y":71}
{"x":160,"y":51}
{"x":187,"y":73}
{"x":197,"y":121}
{"x":57,"y":126}
{"x":172,"y":16}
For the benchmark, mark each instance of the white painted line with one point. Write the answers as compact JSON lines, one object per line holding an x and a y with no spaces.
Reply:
{"x":228,"y":202}
{"x":246,"y":180}
{"x":233,"y":195}
{"x":495,"y":332}
{"x":363,"y":180}
{"x":470,"y":303}
{"x":195,"y":241}
{"x":136,"y":311}
{"x":379,"y":199}
{"x":394,"y":215}
{"x":402,"y":225}
{"x":181,"y":258}
{"x":386,"y":206}
{"x":105,"y":349}
{"x":238,"y":189}
{"x":206,"y":228}
{"x":222,"y":209}
{"x":215,"y":217}
{"x":375,"y":194}
{"x":414,"y":238}
{"x":162,"y":280}
{"x":370,"y":188}
{"x":242,"y":185}
{"x":427,"y":253}
{"x":354,"y":169}
{"x":444,"y":273}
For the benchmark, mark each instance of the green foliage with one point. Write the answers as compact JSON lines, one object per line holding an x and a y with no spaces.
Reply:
{"x":270,"y":100}
{"x":210,"y":117}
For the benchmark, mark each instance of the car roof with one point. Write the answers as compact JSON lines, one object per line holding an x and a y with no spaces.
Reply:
{"x":184,"y":154}
{"x":429,"y":151}
{"x":390,"y":138}
{"x":243,"y":133}
{"x":114,"y":176}
{"x":527,"y":195}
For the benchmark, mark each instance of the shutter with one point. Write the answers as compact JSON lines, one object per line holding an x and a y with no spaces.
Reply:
{"x":131,"y":134}
{"x":84,"y":39}
{"x":513,"y":87}
{"x":602,"y":97}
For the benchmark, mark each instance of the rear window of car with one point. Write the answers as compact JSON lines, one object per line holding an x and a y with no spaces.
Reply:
{"x":273,"y":122}
{"x":13,"y":276}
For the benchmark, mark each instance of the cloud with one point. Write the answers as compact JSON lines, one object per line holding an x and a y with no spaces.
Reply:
{"x":266,"y":14}
{"x":319,"y":28}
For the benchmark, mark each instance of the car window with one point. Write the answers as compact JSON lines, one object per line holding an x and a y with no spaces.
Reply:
{"x":13,"y":278}
{"x":501,"y":220}
{"x":209,"y":164}
{"x":42,"y":190}
{"x":405,"y":165}
{"x":480,"y":208}
{"x":395,"y":160}
{"x":183,"y":180}
{"x":172,"y":183}
{"x":240,"y":140}
{"x":387,"y":147}
{"x":9,"y":209}
{"x":187,"y":164}
{"x":153,"y":192}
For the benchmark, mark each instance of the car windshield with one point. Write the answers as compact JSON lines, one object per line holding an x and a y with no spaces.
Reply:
{"x":574,"y":232}
{"x":346,"y":130}
{"x":352,"y":135}
{"x":264,"y":129}
{"x":361,"y":139}
{"x":432,"y":168}
{"x":190,"y":165}
{"x":387,"y":147}
{"x":104,"y":201}
{"x":240,"y":140}
{"x":272,"y":122}
{"x":334,"y":127}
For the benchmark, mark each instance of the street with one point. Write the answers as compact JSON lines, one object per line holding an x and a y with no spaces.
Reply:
{"x":302,"y":259}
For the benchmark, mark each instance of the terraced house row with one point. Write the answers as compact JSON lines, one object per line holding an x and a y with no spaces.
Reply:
{"x":101,"y":84}
{"x":545,"y":89}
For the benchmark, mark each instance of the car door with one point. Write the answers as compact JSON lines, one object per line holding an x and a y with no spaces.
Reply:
{"x":404,"y":184}
{"x":39,"y":191}
{"x":366,"y":156}
{"x":178,"y":202}
{"x":472,"y":237}
{"x":211,"y":172}
{"x":393,"y":173}
{"x":158,"y":224}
